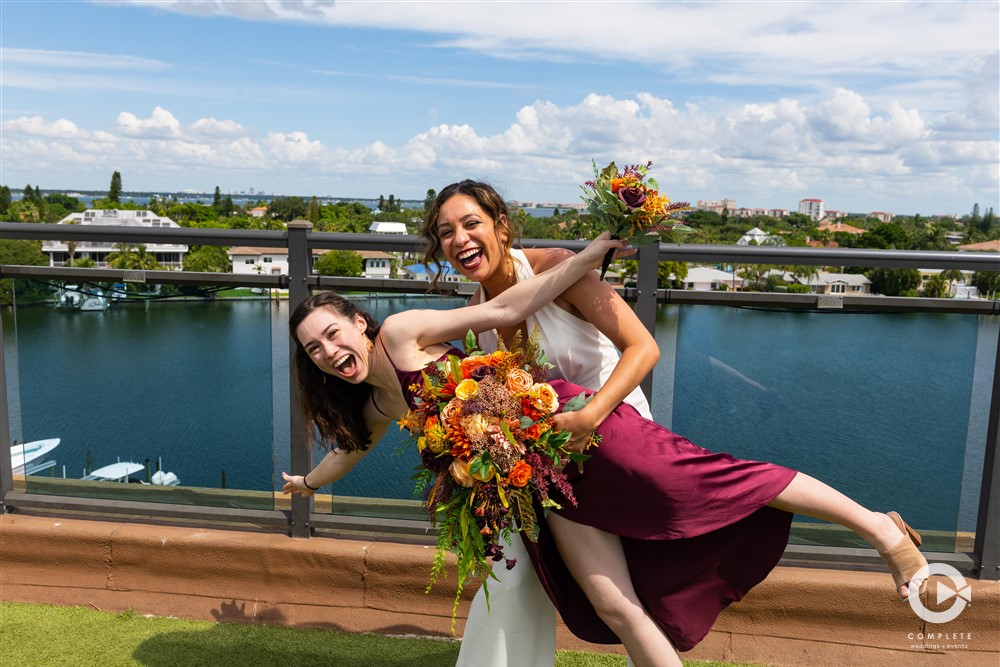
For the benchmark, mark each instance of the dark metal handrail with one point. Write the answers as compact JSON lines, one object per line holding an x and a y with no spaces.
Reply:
{"x":301,"y":241}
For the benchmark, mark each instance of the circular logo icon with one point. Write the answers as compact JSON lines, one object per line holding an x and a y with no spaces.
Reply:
{"x":959,"y":589}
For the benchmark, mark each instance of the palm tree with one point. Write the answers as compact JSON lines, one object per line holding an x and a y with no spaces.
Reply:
{"x":951,"y":275}
{"x":132,"y":257}
{"x":802,"y":272}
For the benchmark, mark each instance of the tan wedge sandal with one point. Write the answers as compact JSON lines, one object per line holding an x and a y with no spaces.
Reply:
{"x":904,"y":559}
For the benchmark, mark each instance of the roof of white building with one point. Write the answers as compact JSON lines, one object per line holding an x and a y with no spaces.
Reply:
{"x":706,"y":274}
{"x":118,"y":218}
{"x":825,"y":278}
{"x":387,"y":227}
{"x":243,"y":251}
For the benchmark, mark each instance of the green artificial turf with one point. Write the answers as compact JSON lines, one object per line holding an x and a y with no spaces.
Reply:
{"x":38,"y":635}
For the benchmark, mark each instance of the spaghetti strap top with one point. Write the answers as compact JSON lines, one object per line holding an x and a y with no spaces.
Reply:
{"x":406,"y":378}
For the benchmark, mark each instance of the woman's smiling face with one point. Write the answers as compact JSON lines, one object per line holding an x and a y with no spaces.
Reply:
{"x":336,"y":344}
{"x":470,"y":241}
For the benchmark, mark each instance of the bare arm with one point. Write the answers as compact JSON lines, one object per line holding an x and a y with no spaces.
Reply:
{"x":510,"y":307}
{"x":596,"y":302}
{"x":332,"y":467}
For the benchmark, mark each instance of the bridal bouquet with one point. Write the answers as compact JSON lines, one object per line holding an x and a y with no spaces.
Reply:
{"x":483,"y":426}
{"x":630,"y":206}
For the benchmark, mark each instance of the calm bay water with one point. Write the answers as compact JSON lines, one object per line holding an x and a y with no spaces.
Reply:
{"x":891,"y":408}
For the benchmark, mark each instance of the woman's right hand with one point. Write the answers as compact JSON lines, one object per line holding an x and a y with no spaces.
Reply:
{"x":295,"y":484}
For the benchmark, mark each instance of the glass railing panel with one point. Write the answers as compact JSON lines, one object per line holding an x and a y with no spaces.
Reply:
{"x":890,"y":409}
{"x":179,"y":386}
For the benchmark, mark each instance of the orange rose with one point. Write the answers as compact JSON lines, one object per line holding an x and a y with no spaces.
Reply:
{"x":470,"y":364}
{"x":544,"y":397}
{"x":459,"y":470}
{"x":518,"y":381}
{"x":520,"y":475}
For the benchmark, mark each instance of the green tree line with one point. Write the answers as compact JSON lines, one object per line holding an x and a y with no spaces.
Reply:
{"x":904,"y":232}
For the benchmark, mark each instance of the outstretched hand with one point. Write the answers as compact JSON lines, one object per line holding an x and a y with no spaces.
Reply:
{"x":295,"y":484}
{"x":594,"y":253}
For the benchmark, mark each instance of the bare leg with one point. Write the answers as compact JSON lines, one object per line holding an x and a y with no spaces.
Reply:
{"x":808,"y":496}
{"x":597,"y":562}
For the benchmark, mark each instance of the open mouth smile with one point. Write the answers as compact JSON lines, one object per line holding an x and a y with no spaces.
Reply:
{"x":470,"y":258}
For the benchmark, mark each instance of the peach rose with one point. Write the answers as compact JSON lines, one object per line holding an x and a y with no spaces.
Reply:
{"x":451,"y":410}
{"x":459,"y":470}
{"x":518,"y":380}
{"x":544,"y":397}
{"x":466,"y":389}
{"x":475,"y":425}
{"x":520,"y":475}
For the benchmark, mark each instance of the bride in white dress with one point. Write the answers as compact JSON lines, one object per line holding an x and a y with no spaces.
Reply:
{"x":582,"y":332}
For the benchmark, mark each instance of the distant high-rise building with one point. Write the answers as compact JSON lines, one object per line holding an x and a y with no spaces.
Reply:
{"x":813,"y":208}
{"x":726,"y":204}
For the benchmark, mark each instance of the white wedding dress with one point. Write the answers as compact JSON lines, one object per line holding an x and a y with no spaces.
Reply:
{"x":519,"y":629}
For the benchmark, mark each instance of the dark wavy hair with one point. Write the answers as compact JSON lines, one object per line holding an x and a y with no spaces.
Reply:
{"x":332,"y":405}
{"x":488,"y":199}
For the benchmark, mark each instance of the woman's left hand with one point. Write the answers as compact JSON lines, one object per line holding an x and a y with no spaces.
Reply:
{"x":580,"y":424}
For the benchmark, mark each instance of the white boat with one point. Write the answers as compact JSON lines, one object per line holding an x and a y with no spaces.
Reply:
{"x":123,"y":471}
{"x":87,"y":299}
{"x":94,"y":303}
{"x":69,"y":297}
{"x":23,"y":457}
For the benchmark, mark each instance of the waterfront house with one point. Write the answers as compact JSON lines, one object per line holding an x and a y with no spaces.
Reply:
{"x":167,"y":255}
{"x":274,"y":261}
{"x":377,"y":264}
{"x":959,"y":288}
{"x":703,"y":278}
{"x":261,"y":261}
{"x":854,"y":284}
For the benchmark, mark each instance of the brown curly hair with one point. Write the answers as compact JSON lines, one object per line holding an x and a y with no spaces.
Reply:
{"x":488,"y":199}
{"x":331,"y":405}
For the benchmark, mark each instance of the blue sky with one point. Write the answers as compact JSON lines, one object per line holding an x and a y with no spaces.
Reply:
{"x":870,"y":106}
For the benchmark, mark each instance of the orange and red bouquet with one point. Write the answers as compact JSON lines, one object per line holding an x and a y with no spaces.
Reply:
{"x":630,"y":206}
{"x":489,"y":453}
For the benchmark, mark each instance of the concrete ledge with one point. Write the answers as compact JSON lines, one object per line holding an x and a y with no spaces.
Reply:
{"x":797,"y":616}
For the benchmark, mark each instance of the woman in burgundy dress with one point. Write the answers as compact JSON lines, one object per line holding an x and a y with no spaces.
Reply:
{"x":665,"y":535}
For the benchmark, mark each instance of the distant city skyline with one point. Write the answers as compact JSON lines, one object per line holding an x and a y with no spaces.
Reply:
{"x":766,"y":103}
{"x":88,"y":193}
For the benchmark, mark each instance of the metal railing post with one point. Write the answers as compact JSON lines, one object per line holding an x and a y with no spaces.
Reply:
{"x":6,"y":466}
{"x":987,"y":545}
{"x":645,"y":299}
{"x":299,"y":266}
